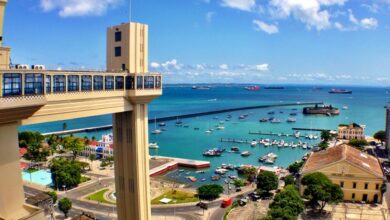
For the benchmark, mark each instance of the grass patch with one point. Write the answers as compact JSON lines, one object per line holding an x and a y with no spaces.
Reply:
{"x":99,"y":197}
{"x":84,"y":179}
{"x":31,"y":170}
{"x":179,"y":196}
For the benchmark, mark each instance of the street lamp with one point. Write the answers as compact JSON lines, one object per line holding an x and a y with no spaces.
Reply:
{"x":174,"y":208}
{"x":63,"y":186}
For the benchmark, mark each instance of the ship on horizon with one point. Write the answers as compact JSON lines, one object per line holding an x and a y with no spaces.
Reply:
{"x":274,"y":87}
{"x":340,"y":91}
{"x":252,"y":88}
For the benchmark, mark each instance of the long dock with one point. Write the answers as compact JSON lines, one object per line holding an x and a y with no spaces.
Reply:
{"x":177,"y":162}
{"x":192,"y":115}
{"x":310,"y":129}
{"x":237,"y":141}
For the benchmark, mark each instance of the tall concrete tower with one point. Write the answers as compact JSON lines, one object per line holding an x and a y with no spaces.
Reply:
{"x":388,"y":128}
{"x":4,"y":51}
{"x":127,"y":48}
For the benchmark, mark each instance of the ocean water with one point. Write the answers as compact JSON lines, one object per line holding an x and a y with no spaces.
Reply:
{"x":365,"y":106}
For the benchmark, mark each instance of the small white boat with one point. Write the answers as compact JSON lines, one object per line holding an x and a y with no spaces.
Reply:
{"x":291,"y":120}
{"x":153,"y":145}
{"x":220,"y":127}
{"x":254,"y":143}
{"x":208,"y":131}
{"x":345,"y":107}
{"x":245,"y":154}
{"x":156,"y":131}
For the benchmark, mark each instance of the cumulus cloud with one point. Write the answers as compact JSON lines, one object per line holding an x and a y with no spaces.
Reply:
{"x":369,"y":23}
{"x":223,"y":66}
{"x":154,"y":65}
{"x":244,"y":5}
{"x":172,"y":64}
{"x":262,"y":67}
{"x":310,"y":12}
{"x":72,"y":8}
{"x":267,"y":28}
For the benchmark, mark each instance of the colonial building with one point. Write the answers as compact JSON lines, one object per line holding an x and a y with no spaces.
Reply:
{"x":359,"y":175}
{"x":102,"y":148}
{"x":352,"y":131}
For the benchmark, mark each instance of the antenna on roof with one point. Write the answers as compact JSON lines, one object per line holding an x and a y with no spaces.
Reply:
{"x":129,"y":10}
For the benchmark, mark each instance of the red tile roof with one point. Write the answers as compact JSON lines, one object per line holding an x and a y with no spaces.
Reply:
{"x":319,"y":159}
{"x":22,"y":151}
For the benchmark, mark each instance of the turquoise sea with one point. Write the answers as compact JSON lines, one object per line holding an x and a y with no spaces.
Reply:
{"x":365,"y":106}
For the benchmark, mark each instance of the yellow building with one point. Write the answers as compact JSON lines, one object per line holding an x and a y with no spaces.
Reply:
{"x":359,"y":175}
{"x":349,"y":132}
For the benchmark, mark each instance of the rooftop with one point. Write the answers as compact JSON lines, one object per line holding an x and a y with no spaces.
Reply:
{"x":342,"y":152}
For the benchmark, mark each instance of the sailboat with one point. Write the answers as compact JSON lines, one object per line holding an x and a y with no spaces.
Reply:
{"x":156,"y":131}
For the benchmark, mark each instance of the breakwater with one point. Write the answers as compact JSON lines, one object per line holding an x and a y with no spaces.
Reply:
{"x":192,"y":115}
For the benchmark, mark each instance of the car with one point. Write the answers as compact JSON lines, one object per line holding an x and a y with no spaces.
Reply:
{"x":238,"y":189}
{"x":202,"y":205}
{"x":242,"y":202}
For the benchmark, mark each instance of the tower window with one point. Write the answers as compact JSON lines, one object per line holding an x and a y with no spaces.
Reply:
{"x":118,"y":51}
{"x":118,"y":36}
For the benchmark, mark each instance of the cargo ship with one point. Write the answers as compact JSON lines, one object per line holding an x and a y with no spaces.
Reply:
{"x":340,"y":91}
{"x":252,"y":88}
{"x":274,"y":87}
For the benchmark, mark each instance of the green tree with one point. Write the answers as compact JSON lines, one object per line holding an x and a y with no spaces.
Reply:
{"x":36,"y":153}
{"x":359,"y":144}
{"x":267,"y":181}
{"x":210,"y":191}
{"x":295,"y":167}
{"x":289,"y":180}
{"x":65,"y":172}
{"x":238,"y":183}
{"x":76,"y":145}
{"x":381,"y":136}
{"x":27,"y":138}
{"x":249,"y":172}
{"x":289,"y":200}
{"x":323,"y":145}
{"x":92,"y":157}
{"x":65,"y":205}
{"x":53,"y":196}
{"x":280,"y":214}
{"x":326,"y":136}
{"x":320,"y":190}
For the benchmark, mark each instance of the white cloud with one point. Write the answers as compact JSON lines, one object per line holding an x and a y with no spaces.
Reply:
{"x":154,"y":65}
{"x":72,"y":8}
{"x":369,"y":23}
{"x":244,"y":5}
{"x":262,"y":67}
{"x":309,"y":12}
{"x":172,"y":65}
{"x":374,"y":7}
{"x":223,"y":66}
{"x":209,"y":16}
{"x":268,"y":28}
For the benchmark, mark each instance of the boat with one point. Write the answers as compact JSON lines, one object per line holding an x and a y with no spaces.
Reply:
{"x":291,"y":120}
{"x":252,"y":88}
{"x":245,"y":153}
{"x":345,"y":107}
{"x":254,"y":143}
{"x":235,"y":149}
{"x":213,"y":152}
{"x":264,"y":120}
{"x":201,"y":87}
{"x":162,"y":124}
{"x":215,"y":178}
{"x":203,"y":179}
{"x":196,"y":128}
{"x":156,"y":131}
{"x":221,"y":171}
{"x":220,"y":127}
{"x":293,"y":114}
{"x":271,"y":113}
{"x":227,"y":166}
{"x":208,"y":131}
{"x":268,"y":157}
{"x":178,"y":122}
{"x":340,"y":91}
{"x":274,"y":87}
{"x":241,"y":117}
{"x":186,"y":125}
{"x":153,"y":145}
{"x":276,"y":121}
{"x":269,"y":161}
{"x":297,"y":134}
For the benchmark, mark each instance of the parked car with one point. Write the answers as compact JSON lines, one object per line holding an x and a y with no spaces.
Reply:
{"x":202,"y":205}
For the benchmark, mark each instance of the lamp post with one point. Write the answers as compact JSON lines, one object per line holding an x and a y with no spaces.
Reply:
{"x":174,"y":208}
{"x":63,"y":186}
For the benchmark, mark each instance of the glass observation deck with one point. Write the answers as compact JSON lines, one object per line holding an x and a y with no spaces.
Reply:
{"x":21,"y":82}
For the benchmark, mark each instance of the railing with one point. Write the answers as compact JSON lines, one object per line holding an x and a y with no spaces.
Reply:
{"x":20,"y":82}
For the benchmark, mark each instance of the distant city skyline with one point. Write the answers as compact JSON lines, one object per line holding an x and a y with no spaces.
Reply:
{"x":215,"y":41}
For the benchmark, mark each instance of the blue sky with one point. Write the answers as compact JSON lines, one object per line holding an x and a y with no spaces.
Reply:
{"x":239,"y":41}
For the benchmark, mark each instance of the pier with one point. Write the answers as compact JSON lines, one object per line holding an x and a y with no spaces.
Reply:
{"x":192,"y":115}
{"x":237,"y":141}
{"x":176,"y":162}
{"x":310,"y":129}
{"x":273,"y":134}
